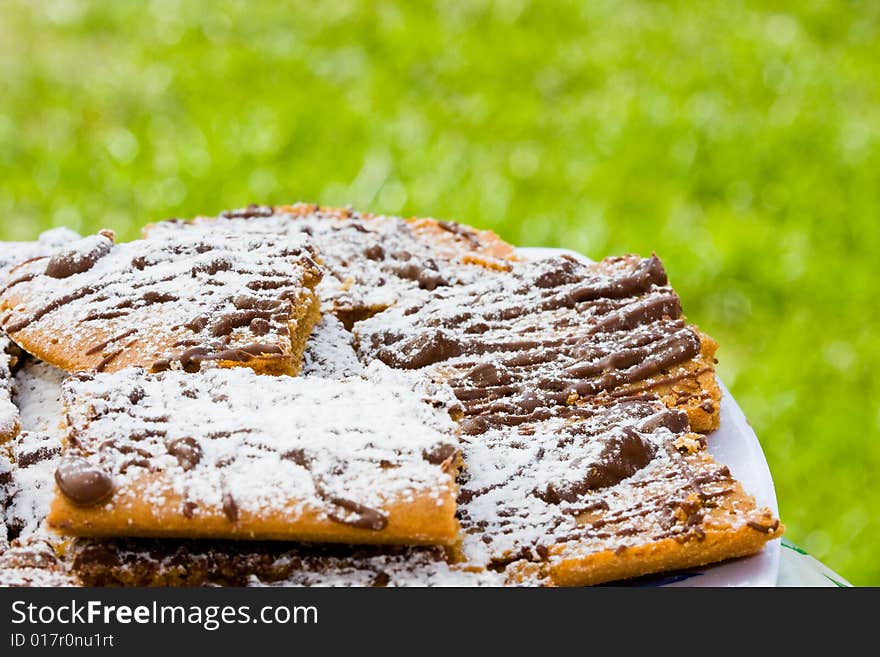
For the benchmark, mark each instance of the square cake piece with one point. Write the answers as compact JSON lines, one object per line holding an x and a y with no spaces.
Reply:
{"x":518,"y":345}
{"x":166,"y":303}
{"x":372,"y":261}
{"x":601,"y":493}
{"x":230,"y":454}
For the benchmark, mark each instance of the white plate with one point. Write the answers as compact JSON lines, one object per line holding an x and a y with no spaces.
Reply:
{"x":735,"y":445}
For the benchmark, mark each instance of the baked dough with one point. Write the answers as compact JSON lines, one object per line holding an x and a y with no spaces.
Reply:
{"x":231,"y":454}
{"x":234,"y":300}
{"x":524,"y":344}
{"x":372,"y":261}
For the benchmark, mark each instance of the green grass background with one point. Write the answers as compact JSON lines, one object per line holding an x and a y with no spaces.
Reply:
{"x":737,"y":139}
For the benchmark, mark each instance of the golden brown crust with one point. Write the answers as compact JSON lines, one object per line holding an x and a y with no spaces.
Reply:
{"x":718,"y":543}
{"x":423,"y":519}
{"x":457,"y":242}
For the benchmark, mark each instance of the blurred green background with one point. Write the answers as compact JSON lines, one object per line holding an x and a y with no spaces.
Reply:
{"x":740,"y":140}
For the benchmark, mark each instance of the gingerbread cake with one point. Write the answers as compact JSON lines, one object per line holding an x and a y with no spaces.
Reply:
{"x":229,"y":453}
{"x":581,"y":393}
{"x":166,"y":303}
{"x":550,"y":334}
{"x":372,"y":261}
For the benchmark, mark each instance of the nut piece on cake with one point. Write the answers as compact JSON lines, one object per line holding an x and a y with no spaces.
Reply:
{"x":171,"y":303}
{"x":228,"y":454}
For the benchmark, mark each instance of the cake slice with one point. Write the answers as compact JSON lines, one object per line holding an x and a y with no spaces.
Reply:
{"x":602,"y":493}
{"x":170,"y":303}
{"x":518,"y":345}
{"x":229,"y":454}
{"x":372,"y":261}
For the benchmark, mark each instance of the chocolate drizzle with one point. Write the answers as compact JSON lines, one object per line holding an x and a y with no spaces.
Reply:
{"x":357,"y":515}
{"x":623,"y":454}
{"x":102,"y":345}
{"x":525,"y":345}
{"x":372,"y":262}
{"x":192,"y":359}
{"x":440,"y":453}
{"x":69,"y":263}
{"x":83,"y":483}
{"x":230,"y":507}
{"x":769,"y":528}
{"x":232,"y":296}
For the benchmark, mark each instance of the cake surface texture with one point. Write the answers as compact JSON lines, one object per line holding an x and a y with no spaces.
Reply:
{"x":309,"y":396}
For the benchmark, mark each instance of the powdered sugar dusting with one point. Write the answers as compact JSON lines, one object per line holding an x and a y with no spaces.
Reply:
{"x":373,"y":261}
{"x":38,"y":397}
{"x":8,"y":411}
{"x":161,"y":303}
{"x":35,"y":451}
{"x":330,"y":352}
{"x":12,"y":253}
{"x":280,"y":445}
{"x":547,"y":334}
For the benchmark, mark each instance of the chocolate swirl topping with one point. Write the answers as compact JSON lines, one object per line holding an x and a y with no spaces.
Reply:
{"x":167,"y":302}
{"x":252,"y":446}
{"x":524,"y":345}
{"x":373,"y":262}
